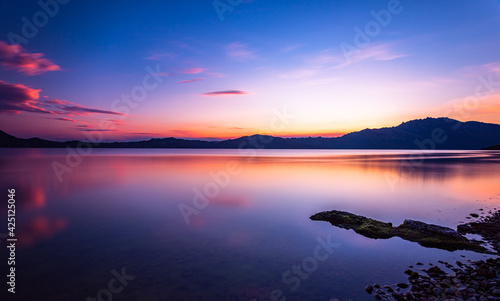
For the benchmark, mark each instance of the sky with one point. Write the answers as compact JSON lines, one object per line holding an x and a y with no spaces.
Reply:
{"x":227,"y":68}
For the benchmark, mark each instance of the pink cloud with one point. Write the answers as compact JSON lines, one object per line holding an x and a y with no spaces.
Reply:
{"x":65,"y":119}
{"x":239,"y":51}
{"x":14,"y":57}
{"x":97,"y":130}
{"x":17,"y":98}
{"x":81,"y":110}
{"x":193,"y":70}
{"x":225,"y":93}
{"x":216,"y":74}
{"x":56,"y":101}
{"x":190,"y":80}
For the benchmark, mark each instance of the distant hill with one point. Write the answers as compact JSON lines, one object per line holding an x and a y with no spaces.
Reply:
{"x":429,"y":133}
{"x":496,"y":147}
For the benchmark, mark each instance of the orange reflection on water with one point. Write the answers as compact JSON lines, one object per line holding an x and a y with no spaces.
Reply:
{"x":374,"y":181}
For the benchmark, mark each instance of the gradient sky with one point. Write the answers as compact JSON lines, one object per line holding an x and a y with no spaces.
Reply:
{"x":226,"y":74}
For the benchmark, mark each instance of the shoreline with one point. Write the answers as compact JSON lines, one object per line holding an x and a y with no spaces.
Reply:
{"x":474,"y":280}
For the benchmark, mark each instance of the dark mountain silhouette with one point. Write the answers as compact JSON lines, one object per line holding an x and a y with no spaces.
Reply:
{"x":429,"y":133}
{"x":496,"y":147}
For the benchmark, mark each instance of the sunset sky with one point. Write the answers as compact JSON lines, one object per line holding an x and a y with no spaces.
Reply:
{"x":195,"y":69}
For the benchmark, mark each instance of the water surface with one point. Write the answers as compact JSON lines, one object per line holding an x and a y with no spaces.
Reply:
{"x":120,"y":209}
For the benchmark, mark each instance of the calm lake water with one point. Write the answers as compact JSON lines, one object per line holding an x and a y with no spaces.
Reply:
{"x":245,"y":223}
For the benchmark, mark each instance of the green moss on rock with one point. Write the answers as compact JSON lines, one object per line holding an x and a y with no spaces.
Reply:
{"x":427,"y":235}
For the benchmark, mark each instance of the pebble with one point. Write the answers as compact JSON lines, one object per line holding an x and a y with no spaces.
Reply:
{"x":398,"y":296}
{"x":472,"y":281}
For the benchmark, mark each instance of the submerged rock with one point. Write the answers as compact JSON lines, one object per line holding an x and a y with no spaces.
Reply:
{"x":427,"y":235}
{"x":466,"y":283}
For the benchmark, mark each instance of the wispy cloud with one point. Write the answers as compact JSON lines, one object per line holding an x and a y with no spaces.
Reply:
{"x":161,"y":56}
{"x":239,"y":52}
{"x":291,"y":48}
{"x":81,"y":110}
{"x":216,"y":74}
{"x":225,"y":93}
{"x":372,"y":52}
{"x":485,"y":108}
{"x":98,"y":130}
{"x":65,"y":119}
{"x":185,"y":46}
{"x":493,"y":67}
{"x":193,"y":71}
{"x":333,"y":59}
{"x":318,"y":67}
{"x":321,"y":81}
{"x":481,"y":70}
{"x":190,"y":80}
{"x":16,"y":58}
{"x":299,"y":74}
{"x":84,"y":126}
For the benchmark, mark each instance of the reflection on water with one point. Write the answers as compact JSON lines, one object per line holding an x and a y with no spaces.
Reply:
{"x":120,"y":208}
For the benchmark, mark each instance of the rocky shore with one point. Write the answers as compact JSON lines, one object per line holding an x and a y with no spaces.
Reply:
{"x":478,"y":281}
{"x":473,"y":280}
{"x":468,"y":280}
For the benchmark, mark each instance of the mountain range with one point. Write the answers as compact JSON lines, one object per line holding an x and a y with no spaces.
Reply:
{"x":429,"y":133}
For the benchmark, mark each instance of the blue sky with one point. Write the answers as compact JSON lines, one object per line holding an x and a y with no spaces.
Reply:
{"x":226,"y":78}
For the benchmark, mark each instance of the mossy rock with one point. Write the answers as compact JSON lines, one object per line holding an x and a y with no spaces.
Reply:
{"x":427,"y":235}
{"x":362,"y":225}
